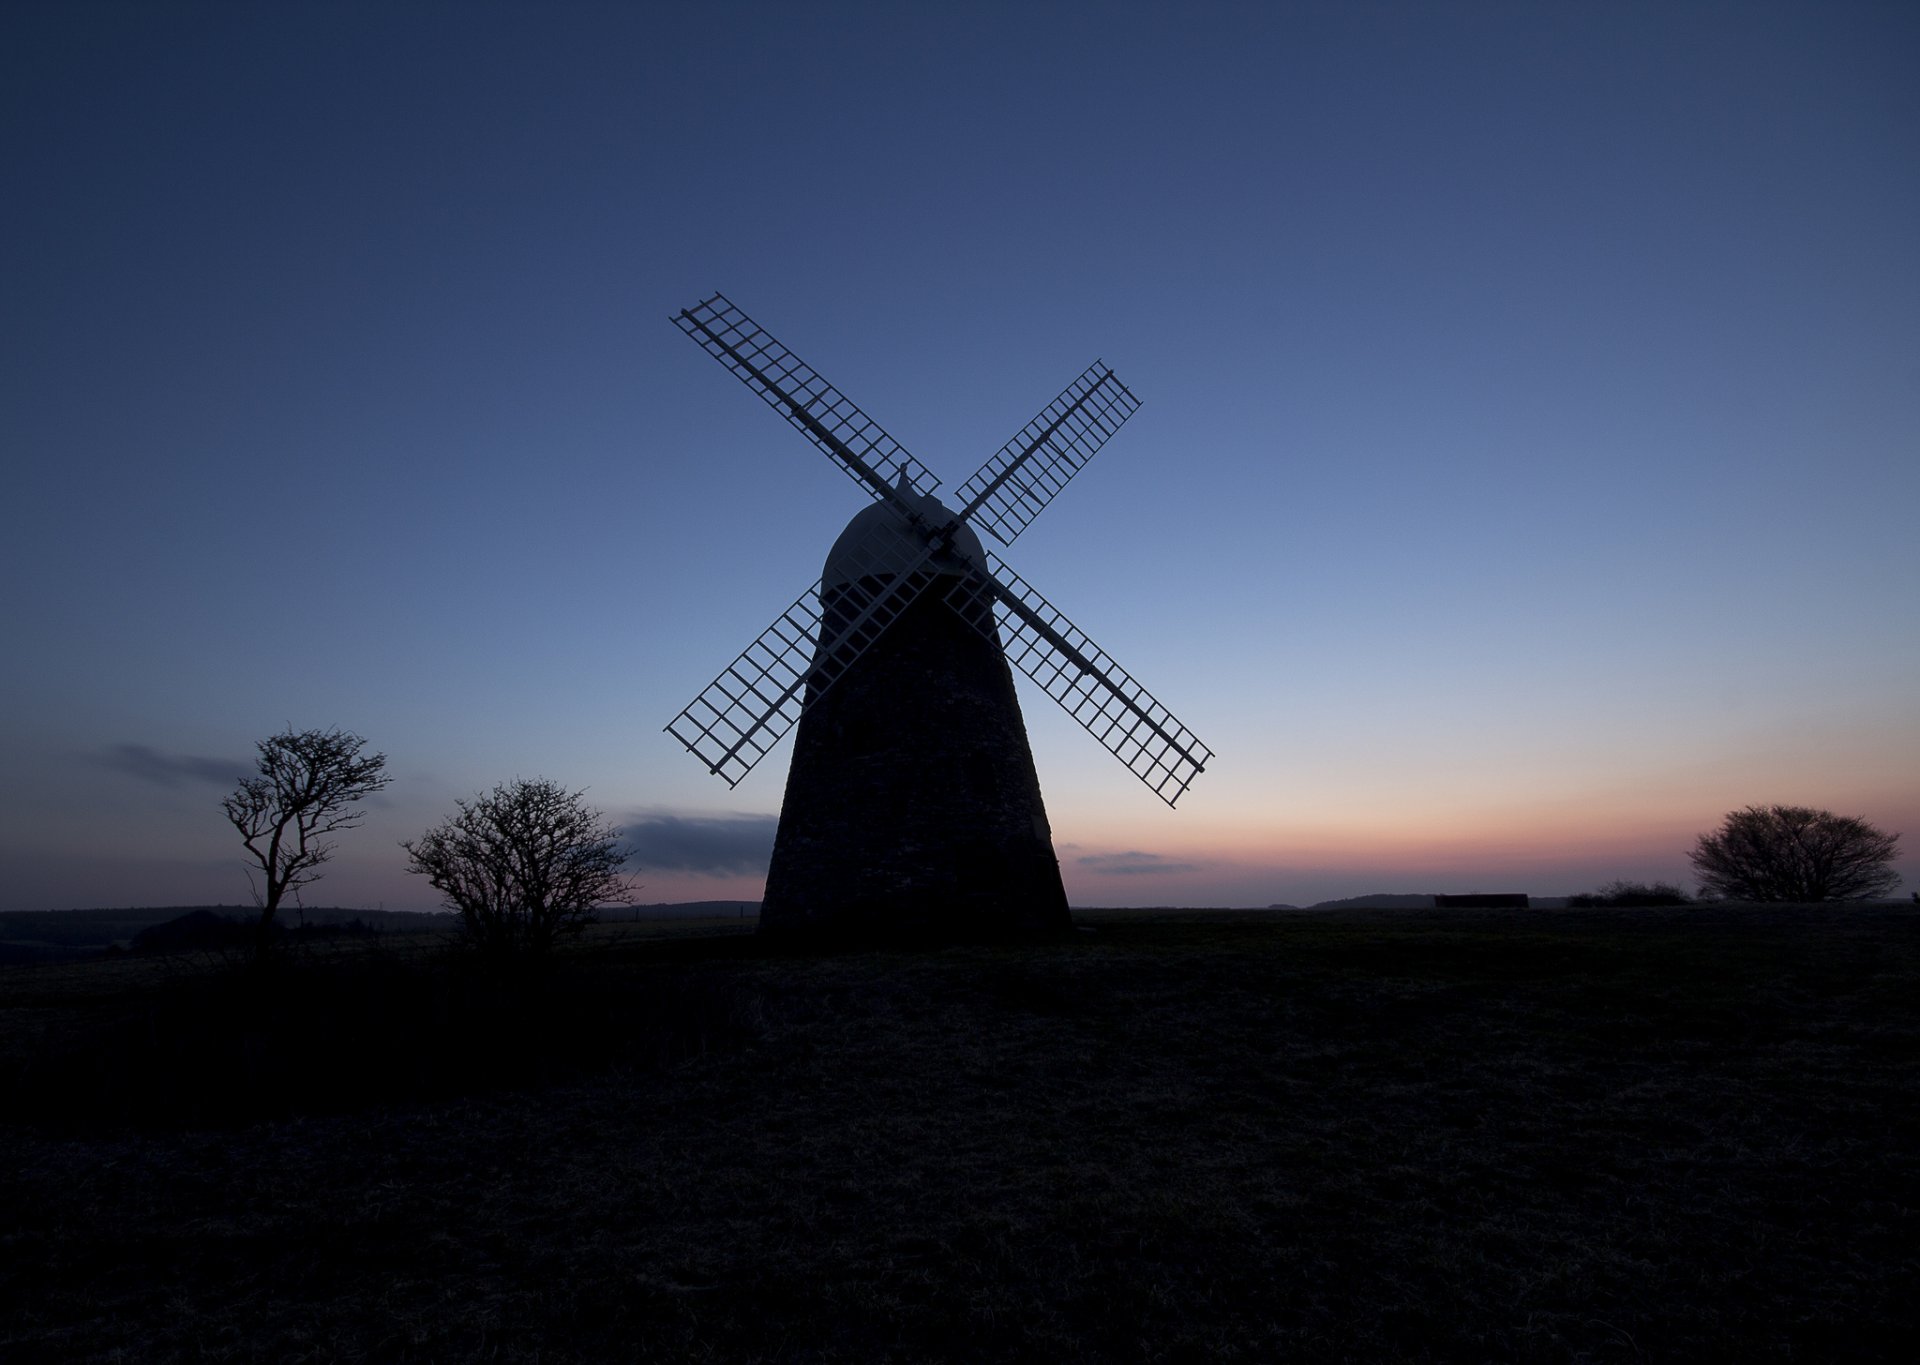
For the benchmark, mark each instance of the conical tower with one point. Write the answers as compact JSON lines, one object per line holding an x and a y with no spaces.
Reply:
{"x":912,"y":805}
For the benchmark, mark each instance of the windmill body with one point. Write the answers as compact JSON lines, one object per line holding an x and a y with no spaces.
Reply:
{"x":912,"y":804}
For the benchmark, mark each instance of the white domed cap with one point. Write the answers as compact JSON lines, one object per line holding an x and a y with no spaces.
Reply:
{"x":879,"y":542}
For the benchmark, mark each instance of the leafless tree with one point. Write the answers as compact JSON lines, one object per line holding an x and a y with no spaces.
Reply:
{"x":310,"y":785}
{"x":1794,"y":853}
{"x":525,"y":865}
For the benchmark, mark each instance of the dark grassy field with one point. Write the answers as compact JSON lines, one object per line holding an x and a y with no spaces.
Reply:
{"x":1606,"y":1135}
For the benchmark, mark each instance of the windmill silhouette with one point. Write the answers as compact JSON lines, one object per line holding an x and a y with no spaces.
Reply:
{"x":912,"y":804}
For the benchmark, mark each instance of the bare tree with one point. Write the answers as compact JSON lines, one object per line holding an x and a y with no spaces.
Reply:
{"x":310,"y":785}
{"x":1794,"y":853}
{"x":525,"y":865}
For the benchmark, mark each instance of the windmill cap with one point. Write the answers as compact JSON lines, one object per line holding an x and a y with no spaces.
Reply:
{"x":880,"y":542}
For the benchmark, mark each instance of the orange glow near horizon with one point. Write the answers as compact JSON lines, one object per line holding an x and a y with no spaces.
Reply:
{"x":1552,"y":844}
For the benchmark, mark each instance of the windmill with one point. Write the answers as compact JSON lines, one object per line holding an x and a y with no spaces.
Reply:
{"x":912,"y":803}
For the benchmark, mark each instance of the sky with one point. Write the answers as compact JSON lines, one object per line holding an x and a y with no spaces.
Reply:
{"x":1525,"y":475}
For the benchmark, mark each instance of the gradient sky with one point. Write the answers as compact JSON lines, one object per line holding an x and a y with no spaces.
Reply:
{"x":1527,"y":473}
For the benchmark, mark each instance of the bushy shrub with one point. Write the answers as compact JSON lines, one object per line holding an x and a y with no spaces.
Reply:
{"x":1796,"y":853}
{"x":526,"y":865}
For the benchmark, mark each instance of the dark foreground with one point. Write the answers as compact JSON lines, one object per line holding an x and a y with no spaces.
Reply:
{"x":1595,"y":1136}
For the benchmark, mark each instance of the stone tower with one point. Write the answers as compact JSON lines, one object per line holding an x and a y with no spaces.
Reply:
{"x":912,"y":806}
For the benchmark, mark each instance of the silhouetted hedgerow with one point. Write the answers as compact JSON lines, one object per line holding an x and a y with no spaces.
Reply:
{"x":206,"y":931}
{"x":1626,"y":893}
{"x":196,"y":931}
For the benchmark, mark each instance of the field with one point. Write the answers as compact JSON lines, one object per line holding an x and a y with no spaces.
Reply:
{"x":1529,"y":1136}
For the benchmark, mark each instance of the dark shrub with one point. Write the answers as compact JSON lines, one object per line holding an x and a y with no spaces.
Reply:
{"x":1632,"y":893}
{"x":195,"y":931}
{"x":1795,"y":853}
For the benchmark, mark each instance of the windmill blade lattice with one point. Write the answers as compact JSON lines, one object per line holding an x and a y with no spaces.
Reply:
{"x":830,"y":419}
{"x":758,"y":697}
{"x":1011,"y":489}
{"x":1085,"y":681}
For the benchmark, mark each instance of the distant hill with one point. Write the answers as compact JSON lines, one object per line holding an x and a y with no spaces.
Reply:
{"x":1408,"y":901}
{"x":1378,"y":901}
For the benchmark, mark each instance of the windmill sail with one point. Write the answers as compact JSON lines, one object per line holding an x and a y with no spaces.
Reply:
{"x":830,"y":419}
{"x":743,"y":713}
{"x":756,"y":699}
{"x":1012,"y":488}
{"x":1084,"y":679}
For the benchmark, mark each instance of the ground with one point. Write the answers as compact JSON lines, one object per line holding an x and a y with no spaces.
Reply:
{"x":1552,"y":1136}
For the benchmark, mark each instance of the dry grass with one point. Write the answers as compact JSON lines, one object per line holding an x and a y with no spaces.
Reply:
{"x":1608,"y":1135}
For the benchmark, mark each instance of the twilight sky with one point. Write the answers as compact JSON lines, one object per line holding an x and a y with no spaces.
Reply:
{"x":1528,"y":469}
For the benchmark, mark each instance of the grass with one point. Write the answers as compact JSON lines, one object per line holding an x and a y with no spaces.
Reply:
{"x":1569,"y":1136}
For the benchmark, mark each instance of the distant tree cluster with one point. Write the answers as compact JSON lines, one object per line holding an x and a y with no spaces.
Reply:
{"x":525,"y":865}
{"x":1795,"y":853}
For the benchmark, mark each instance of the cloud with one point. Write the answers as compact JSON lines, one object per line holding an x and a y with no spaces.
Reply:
{"x":714,"y":845}
{"x":170,"y":770}
{"x":1132,"y":864}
